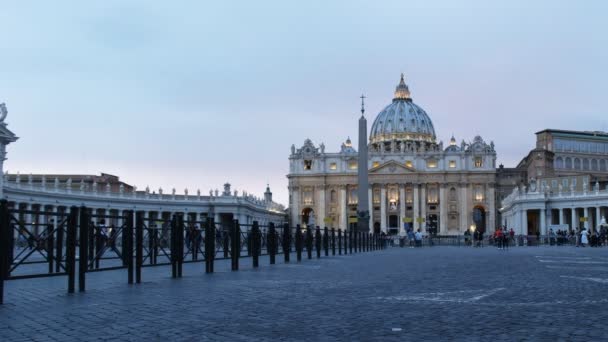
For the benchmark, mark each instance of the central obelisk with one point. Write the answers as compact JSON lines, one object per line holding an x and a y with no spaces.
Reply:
{"x":362,"y":176}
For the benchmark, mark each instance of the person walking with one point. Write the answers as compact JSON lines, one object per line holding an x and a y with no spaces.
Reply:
{"x":418,"y":238}
{"x":584,"y":238}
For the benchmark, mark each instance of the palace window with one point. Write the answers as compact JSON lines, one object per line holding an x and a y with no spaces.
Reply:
{"x":352,"y":196}
{"x":409,"y":198}
{"x":478,"y":162}
{"x":452,"y":164}
{"x":478,"y":193}
{"x":307,"y":196}
{"x":431,"y":163}
{"x":308,"y":165}
{"x":352,"y":165}
{"x":432,"y":195}
{"x":333,"y":166}
{"x":393,"y":195}
{"x":376,"y":196}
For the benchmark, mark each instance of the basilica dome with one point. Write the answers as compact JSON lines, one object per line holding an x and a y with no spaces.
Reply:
{"x":402,"y":120}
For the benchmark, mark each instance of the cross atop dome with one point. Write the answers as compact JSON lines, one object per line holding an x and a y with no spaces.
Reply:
{"x":402,"y":92}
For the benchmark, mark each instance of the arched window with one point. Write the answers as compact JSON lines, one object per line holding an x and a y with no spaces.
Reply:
{"x":577,"y":164}
{"x":559,"y":163}
{"x":594,"y":166}
{"x":585,"y":164}
{"x":602,"y":165}
{"x":568,"y":163}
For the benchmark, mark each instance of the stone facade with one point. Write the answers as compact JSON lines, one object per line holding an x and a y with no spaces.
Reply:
{"x":413,"y":180}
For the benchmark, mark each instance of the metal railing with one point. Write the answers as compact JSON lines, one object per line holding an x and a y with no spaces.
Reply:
{"x":78,"y":242}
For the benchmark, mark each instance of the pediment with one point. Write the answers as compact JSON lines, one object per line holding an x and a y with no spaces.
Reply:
{"x":391,"y":167}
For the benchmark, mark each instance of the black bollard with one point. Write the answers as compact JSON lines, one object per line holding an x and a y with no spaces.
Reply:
{"x":70,"y":251}
{"x":83,"y":248}
{"x":256,"y":239}
{"x":326,"y":241}
{"x":318,"y":241}
{"x":309,"y":242}
{"x":235,"y":239}
{"x":286,"y":242}
{"x":209,"y":244}
{"x":339,"y":241}
{"x":139,"y":245}
{"x":333,"y":241}
{"x":271,"y":243}
{"x":299,"y":243}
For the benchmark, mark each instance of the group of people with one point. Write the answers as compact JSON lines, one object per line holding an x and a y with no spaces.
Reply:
{"x":502,"y":237}
{"x":580,"y":238}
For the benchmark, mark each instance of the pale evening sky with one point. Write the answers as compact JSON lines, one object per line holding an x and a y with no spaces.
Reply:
{"x":194,"y":94}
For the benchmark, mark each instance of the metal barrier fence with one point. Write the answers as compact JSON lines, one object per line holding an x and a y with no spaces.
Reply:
{"x":80,"y":240}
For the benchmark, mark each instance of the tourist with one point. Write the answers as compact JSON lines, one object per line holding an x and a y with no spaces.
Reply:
{"x":584,"y":239}
{"x":411,"y":237}
{"x":498,"y":238}
{"x":505,"y":239}
{"x":418,"y":237}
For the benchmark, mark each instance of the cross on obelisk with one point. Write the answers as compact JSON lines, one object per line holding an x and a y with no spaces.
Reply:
{"x":362,"y":176}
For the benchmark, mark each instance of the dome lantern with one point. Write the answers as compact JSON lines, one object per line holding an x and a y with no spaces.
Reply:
{"x":402,"y":92}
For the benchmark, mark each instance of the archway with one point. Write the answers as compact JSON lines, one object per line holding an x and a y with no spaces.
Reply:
{"x":377,"y":227}
{"x":306,"y":214}
{"x":479,"y":218}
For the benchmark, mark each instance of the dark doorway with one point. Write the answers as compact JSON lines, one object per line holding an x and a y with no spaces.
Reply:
{"x":479,"y":218}
{"x":306,"y":213}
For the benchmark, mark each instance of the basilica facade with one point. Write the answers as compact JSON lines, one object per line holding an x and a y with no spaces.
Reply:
{"x":414,"y":180}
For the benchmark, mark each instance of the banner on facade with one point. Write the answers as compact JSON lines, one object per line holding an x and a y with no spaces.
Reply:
{"x":420,"y":219}
{"x":352,"y":220}
{"x":583,"y":219}
{"x":327,"y":220}
{"x":407,"y":220}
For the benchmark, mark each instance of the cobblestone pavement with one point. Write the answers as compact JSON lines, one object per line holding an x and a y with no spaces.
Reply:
{"x":439,"y":293}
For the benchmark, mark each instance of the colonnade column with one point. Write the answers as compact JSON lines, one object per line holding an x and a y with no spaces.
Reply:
{"x":443,"y":210}
{"x":598,"y":217}
{"x":383,"y":208}
{"x":423,"y":207}
{"x":343,"y":213}
{"x":491,"y":208}
{"x":561,"y":216}
{"x":573,"y":219}
{"x":295,"y":206}
{"x":401,"y":208}
{"x":416,"y":214}
{"x":586,"y":215}
{"x":543,"y":219}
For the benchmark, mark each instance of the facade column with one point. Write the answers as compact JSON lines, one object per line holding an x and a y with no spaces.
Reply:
{"x":401,"y":209}
{"x":490,"y":199}
{"x":561,"y":216}
{"x":383,"y":208}
{"x":416,"y":214}
{"x":443,"y":210}
{"x":343,"y":211}
{"x":423,"y":207}
{"x":371,"y":209}
{"x":295,"y":206}
{"x":463,"y":214}
{"x":573,"y":220}
{"x":321,"y":206}
{"x":586,"y":214}
{"x":598,"y":218}
{"x":543,"y":221}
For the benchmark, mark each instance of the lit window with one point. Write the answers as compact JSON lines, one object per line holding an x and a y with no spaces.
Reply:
{"x":375,"y":164}
{"x":478,"y":162}
{"x":352,"y":165}
{"x":452,"y":164}
{"x":376,"y":198}
{"x":333,"y":166}
{"x":307,"y":164}
{"x":408,"y":163}
{"x":478,"y":193}
{"x":431,"y":163}
{"x":409,"y":198}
